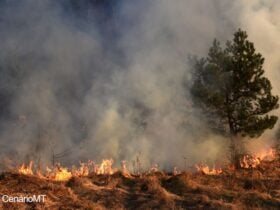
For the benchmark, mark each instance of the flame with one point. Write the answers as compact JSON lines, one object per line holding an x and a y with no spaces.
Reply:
{"x":248,"y":161}
{"x":266,"y":154}
{"x":59,"y":173}
{"x":125,"y":171}
{"x":39,"y":174}
{"x":206,"y":170}
{"x":252,"y":161}
{"x":83,"y":170}
{"x":62,"y":175}
{"x":176,"y":171}
{"x":154,"y":168}
{"x":26,"y":169}
{"x":105,"y":167}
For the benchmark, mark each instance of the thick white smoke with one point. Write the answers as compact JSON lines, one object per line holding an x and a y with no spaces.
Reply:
{"x":97,"y":98}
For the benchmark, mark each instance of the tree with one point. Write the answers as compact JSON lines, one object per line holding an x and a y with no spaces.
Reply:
{"x":230,"y":87}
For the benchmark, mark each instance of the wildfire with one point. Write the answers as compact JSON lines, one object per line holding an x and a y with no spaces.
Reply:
{"x":154,"y":168}
{"x":252,"y":161}
{"x":26,"y":169}
{"x":125,"y":171}
{"x":267,"y":154}
{"x":83,"y":170}
{"x":59,"y":173}
{"x":105,"y":167}
{"x":206,"y":170}
{"x":248,"y":161}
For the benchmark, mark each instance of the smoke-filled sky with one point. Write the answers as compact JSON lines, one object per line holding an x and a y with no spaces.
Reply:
{"x":99,"y":79}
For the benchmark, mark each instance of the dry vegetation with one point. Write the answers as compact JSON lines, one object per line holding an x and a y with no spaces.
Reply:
{"x":244,"y":189}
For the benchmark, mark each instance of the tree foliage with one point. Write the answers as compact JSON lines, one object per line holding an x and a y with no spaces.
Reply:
{"x":230,"y":87}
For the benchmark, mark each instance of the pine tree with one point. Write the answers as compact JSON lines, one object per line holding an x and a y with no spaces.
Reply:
{"x":230,"y":87}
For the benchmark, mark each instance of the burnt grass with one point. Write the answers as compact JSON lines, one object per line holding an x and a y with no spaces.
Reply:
{"x":242,"y":189}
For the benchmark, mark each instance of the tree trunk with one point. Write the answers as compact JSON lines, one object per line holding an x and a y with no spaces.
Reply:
{"x":235,"y":154}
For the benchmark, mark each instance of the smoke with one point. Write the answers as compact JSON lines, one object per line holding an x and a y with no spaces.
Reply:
{"x":91,"y":86}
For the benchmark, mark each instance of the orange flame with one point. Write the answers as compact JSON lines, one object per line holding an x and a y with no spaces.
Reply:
{"x":62,"y":175}
{"x":266,"y":154}
{"x":248,"y":161}
{"x":252,"y":161}
{"x":125,"y":171}
{"x":105,"y":167}
{"x":26,"y":169}
{"x":206,"y":170}
{"x":83,"y":170}
{"x":59,"y":173}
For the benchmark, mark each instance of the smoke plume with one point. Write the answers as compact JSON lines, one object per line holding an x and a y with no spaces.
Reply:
{"x":98,"y":80}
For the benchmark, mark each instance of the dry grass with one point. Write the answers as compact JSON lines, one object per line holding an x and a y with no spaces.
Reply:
{"x":244,"y":189}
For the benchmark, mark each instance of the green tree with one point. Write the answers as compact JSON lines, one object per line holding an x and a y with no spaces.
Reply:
{"x":230,"y":87}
